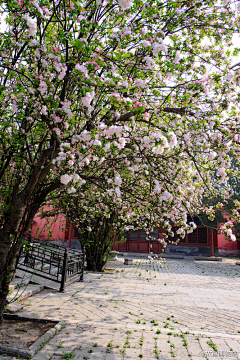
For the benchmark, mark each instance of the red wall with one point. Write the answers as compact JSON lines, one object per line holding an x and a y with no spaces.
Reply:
{"x":219,"y":241}
{"x":60,"y":231}
{"x":225,"y":244}
{"x":41,"y":227}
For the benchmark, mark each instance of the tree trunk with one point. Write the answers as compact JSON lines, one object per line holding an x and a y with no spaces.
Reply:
{"x":8,"y":253}
{"x":12,"y":235}
{"x":94,"y":262}
{"x":98,"y":242}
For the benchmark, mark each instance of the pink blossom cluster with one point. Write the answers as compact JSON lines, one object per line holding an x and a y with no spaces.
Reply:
{"x":136,"y":116}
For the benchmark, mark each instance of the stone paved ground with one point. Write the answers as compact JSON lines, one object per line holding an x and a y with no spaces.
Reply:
{"x":173,"y":309}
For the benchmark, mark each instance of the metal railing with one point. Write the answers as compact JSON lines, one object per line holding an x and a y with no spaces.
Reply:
{"x":51,"y":261}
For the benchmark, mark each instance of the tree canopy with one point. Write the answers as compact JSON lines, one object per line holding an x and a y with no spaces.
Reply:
{"x":128,"y":96}
{"x":143,"y":93}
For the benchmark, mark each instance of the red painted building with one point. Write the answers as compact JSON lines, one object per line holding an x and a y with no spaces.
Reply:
{"x":56,"y":229}
{"x":203,"y":240}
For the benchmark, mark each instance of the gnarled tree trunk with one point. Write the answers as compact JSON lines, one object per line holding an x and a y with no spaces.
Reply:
{"x":9,"y":251}
{"x":12,"y":235}
{"x":98,"y":242}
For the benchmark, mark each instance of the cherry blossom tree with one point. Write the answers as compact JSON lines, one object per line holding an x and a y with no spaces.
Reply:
{"x":99,"y":215}
{"x":98,"y":219}
{"x":118,"y":94}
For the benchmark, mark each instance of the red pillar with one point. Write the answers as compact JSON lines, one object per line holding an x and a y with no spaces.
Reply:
{"x":211,"y":242}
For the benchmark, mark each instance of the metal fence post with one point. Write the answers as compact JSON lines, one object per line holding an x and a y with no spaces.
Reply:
{"x":64,"y":271}
{"x":83,"y":257}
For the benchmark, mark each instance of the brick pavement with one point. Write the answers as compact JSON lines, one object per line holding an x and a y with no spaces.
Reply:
{"x":173,"y":309}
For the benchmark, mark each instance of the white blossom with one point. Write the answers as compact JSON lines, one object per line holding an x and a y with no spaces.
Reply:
{"x":118,"y":179}
{"x":44,"y":110}
{"x":86,"y":100}
{"x":32,"y":25}
{"x":65,"y":179}
{"x":125,"y":4}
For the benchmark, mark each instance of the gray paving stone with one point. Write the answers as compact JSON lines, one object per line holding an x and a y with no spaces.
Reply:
{"x":198,"y":298}
{"x":14,"y":307}
{"x":193,"y":347}
{"x":233,"y":344}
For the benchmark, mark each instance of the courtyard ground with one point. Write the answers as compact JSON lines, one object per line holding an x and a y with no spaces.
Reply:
{"x":164,"y":309}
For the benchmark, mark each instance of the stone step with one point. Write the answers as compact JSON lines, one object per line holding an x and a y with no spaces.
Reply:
{"x":14,"y":307}
{"x":208,"y":258}
{"x":172,"y":256}
{"x":23,"y":278}
{"x":132,"y":255}
{"x":21,"y":294}
{"x":18,"y":282}
{"x":128,"y":261}
{"x":54,"y":269}
{"x":38,"y":280}
{"x":148,"y":256}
